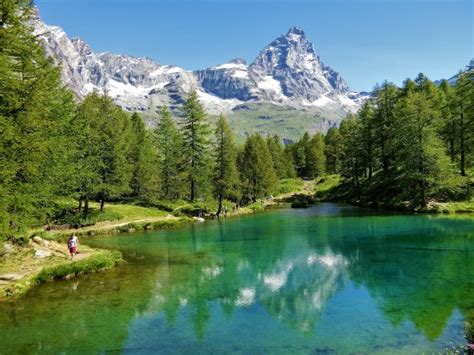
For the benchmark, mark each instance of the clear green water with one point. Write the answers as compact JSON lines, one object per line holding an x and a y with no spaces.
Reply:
{"x":326,"y":279}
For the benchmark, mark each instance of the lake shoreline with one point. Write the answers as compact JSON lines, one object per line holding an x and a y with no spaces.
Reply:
{"x":52,"y":244}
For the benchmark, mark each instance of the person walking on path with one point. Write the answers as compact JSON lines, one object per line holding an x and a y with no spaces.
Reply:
{"x":72,"y":245}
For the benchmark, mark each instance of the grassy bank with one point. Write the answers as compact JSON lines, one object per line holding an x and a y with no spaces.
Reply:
{"x":331,"y":188}
{"x":24,"y":266}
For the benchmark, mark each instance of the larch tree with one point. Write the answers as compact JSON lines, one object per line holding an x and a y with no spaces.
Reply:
{"x":196,"y":147}
{"x":225,"y":177}
{"x":33,"y":103}
{"x":257,"y":173}
{"x":169,"y":142}
{"x":315,"y":158}
{"x":333,"y":150}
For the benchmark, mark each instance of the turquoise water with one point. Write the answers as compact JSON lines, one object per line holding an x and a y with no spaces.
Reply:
{"x":326,"y":279}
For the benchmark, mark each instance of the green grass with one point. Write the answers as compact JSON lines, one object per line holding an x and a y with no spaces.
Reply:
{"x":325,"y":184}
{"x":96,"y":262}
{"x":289,"y":185}
{"x":454,"y":207}
{"x":128,"y":212}
{"x":256,"y":206}
{"x":263,"y":118}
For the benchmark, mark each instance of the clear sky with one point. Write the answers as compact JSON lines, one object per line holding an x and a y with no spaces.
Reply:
{"x":367,"y":41}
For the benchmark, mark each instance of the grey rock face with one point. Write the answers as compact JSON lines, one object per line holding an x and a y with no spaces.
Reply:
{"x":286,"y":72}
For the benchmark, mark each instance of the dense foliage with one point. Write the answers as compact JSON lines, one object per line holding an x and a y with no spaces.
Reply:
{"x":407,"y":146}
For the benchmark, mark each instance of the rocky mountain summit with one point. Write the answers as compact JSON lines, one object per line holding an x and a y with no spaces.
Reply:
{"x":287,"y":72}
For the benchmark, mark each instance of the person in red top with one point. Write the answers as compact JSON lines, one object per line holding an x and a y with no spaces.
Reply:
{"x":72,"y":245}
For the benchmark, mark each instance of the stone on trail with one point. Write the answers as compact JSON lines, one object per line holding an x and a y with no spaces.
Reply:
{"x":41,"y":254}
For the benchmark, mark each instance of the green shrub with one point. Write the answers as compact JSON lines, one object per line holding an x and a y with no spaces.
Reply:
{"x":256,"y":206}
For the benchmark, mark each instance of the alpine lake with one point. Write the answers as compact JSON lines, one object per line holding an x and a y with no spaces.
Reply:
{"x":328,"y":279}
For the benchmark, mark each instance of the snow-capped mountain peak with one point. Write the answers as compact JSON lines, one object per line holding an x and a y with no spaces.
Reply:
{"x":286,"y":72}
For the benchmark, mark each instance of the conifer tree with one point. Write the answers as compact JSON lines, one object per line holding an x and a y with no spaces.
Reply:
{"x":282,"y":164}
{"x":195,"y":147}
{"x":31,"y":107}
{"x":333,"y":147}
{"x":368,"y":137}
{"x":225,"y":178}
{"x":169,"y":143}
{"x":103,"y":134}
{"x":352,"y":157}
{"x":464,"y":119}
{"x":449,"y":115}
{"x":144,"y":159}
{"x":257,"y":173}
{"x":315,"y":158}
{"x":385,"y":100}
{"x":421,"y":157}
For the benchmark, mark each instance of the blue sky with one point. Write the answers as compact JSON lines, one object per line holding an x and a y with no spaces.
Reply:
{"x":367,"y":41}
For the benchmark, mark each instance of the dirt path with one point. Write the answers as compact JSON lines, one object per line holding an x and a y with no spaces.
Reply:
{"x":106,"y":225}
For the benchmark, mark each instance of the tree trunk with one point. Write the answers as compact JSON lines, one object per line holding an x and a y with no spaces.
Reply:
{"x":219,"y":209}
{"x":80,"y":205}
{"x":86,"y":205}
{"x":102,"y":202}
{"x":192,"y":190}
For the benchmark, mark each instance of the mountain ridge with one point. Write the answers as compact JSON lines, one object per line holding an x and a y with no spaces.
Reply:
{"x":286,"y":72}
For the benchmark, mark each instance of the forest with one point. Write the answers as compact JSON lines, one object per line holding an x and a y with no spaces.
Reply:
{"x":406,"y":146}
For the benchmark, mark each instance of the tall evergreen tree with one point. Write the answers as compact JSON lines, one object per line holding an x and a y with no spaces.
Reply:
{"x":449,"y":129}
{"x":385,"y":100}
{"x":420,"y":153}
{"x":144,"y":159}
{"x":225,"y":178}
{"x":195,"y":148}
{"x":283,"y":166}
{"x":169,"y":142}
{"x":103,"y":133}
{"x":33,"y":104}
{"x":333,"y":146}
{"x":368,"y":137}
{"x":465,"y":119}
{"x":257,"y":173}
{"x":315,"y":158}
{"x":352,"y":158}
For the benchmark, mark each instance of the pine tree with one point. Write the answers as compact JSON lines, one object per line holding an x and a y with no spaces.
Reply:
{"x":283,"y":166}
{"x":195,"y":148}
{"x":421,"y":155}
{"x":352,"y":156}
{"x":225,"y":178}
{"x":464,"y":119}
{"x":31,"y":107}
{"x":367,"y":117}
{"x":144,"y":159}
{"x":315,"y":158}
{"x":103,"y":134}
{"x":333,"y":150}
{"x":449,"y":129}
{"x":257,"y":173}
{"x":169,"y":144}
{"x":385,"y":100}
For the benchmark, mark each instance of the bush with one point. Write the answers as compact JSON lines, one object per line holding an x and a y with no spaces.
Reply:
{"x":456,"y":188}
